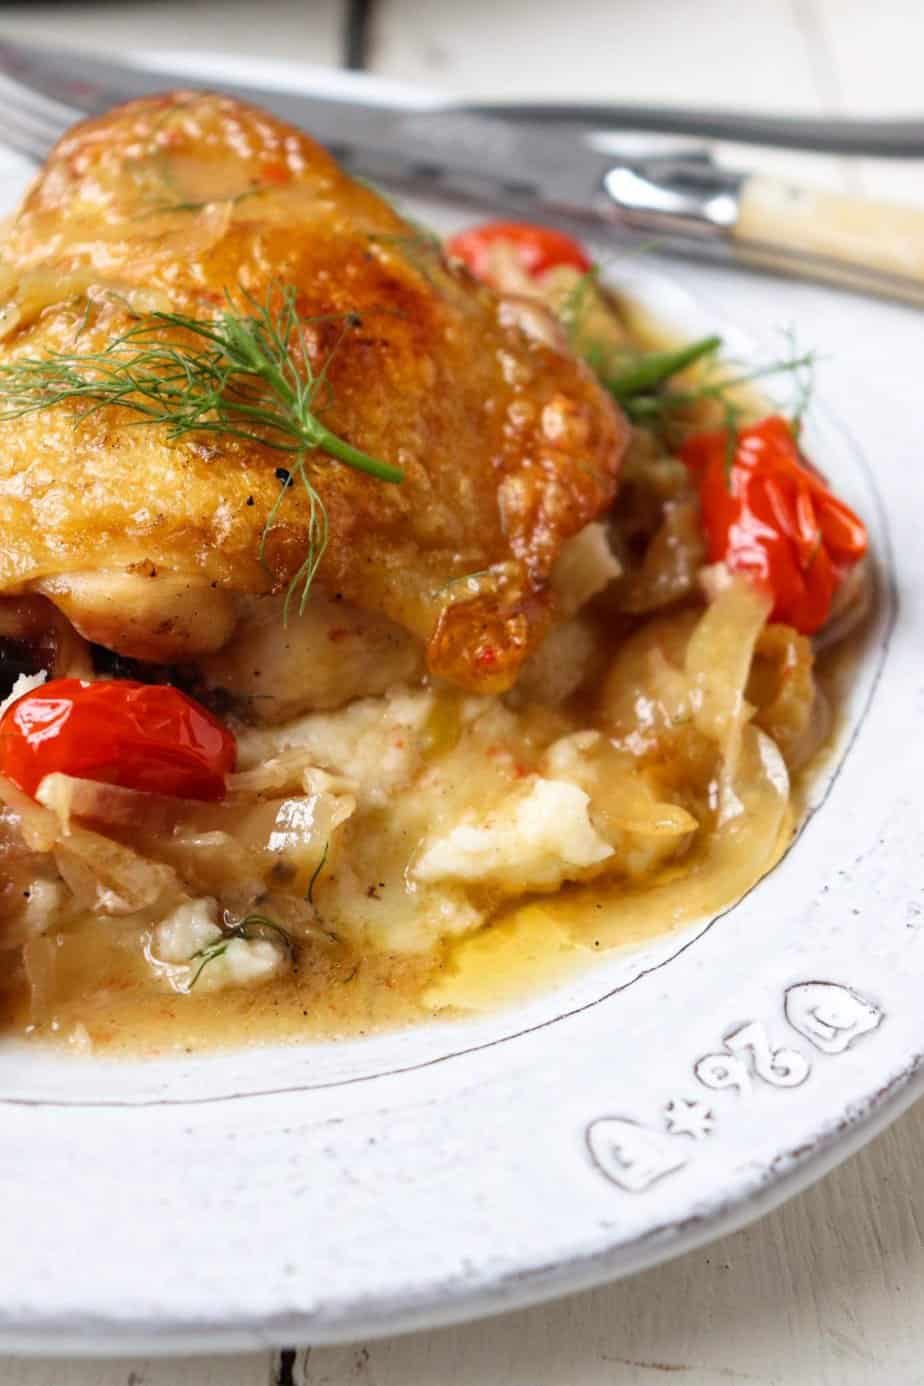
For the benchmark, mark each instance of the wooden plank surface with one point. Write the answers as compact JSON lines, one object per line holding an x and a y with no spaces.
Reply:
{"x":631,"y":50}
{"x":875,"y":53}
{"x":829,"y":1290}
{"x":258,"y":1369}
{"x":309,"y":31}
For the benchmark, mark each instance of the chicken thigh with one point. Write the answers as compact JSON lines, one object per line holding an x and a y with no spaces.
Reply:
{"x":159,"y":547}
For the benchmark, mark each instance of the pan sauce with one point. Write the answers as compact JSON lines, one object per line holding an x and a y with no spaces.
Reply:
{"x":103,"y":999}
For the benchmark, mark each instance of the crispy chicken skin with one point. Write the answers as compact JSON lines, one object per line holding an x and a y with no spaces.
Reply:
{"x":507,"y":443}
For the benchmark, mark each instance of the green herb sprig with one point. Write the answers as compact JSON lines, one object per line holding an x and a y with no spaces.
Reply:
{"x":628,"y":373}
{"x":243,"y":374}
{"x":658,"y":408}
{"x":654,"y":368}
{"x":255,"y":926}
{"x":641,"y":382}
{"x":185,"y":205}
{"x":309,"y":895}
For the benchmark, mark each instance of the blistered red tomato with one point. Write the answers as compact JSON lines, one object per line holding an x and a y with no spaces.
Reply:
{"x":772,"y":518}
{"x":538,"y":248}
{"x":141,"y":736}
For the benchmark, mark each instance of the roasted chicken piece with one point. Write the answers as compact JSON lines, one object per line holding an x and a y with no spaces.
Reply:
{"x":151,"y":545}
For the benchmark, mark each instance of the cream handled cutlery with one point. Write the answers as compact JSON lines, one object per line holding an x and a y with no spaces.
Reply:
{"x":536,"y":161}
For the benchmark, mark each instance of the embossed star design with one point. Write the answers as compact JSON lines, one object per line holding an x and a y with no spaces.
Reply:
{"x":683,"y":1118}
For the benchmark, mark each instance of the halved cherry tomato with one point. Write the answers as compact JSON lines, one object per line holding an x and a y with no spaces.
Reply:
{"x":772,"y":518}
{"x":142,"y":736}
{"x":538,"y":248}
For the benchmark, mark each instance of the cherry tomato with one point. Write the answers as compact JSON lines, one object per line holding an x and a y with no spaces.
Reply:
{"x":141,"y":736}
{"x":771,"y":517}
{"x":538,"y":248}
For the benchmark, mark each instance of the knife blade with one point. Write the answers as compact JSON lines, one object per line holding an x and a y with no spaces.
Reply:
{"x":878,"y":138}
{"x":546,"y":172}
{"x":447,"y":151}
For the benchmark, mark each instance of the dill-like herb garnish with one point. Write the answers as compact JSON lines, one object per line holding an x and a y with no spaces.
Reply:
{"x":243,"y":374}
{"x":575,"y":305}
{"x":626,"y":371}
{"x":420,"y":248}
{"x":654,"y":408}
{"x":181,"y":205}
{"x":653,"y":368}
{"x":803,"y":379}
{"x":660,"y":409}
{"x":642,"y":381}
{"x":255,"y":926}
{"x":309,"y":896}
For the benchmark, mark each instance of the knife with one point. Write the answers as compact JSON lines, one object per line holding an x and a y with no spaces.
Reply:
{"x":870,"y":138}
{"x":538,"y":169}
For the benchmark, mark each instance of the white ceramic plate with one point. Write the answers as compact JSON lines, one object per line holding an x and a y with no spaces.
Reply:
{"x":666,"y":1095}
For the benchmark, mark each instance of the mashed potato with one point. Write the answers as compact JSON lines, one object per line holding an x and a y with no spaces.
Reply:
{"x":392,"y":823}
{"x":534,"y":839}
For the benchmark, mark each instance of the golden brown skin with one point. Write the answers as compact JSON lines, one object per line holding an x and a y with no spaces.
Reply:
{"x":508,"y":444}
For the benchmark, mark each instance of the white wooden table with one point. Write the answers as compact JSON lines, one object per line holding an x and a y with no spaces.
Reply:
{"x":829,"y":1290}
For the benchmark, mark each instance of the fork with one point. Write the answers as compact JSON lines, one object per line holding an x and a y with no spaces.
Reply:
{"x":31,"y":123}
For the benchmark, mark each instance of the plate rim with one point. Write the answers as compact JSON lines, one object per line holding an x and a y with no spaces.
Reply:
{"x":109,"y":1338}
